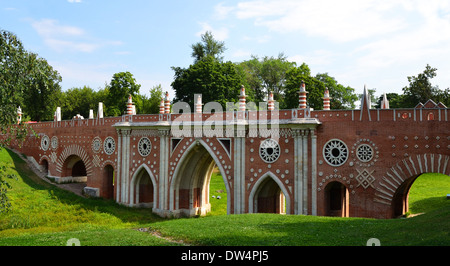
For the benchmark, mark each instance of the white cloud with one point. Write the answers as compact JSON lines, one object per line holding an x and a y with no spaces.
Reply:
{"x":74,"y":1}
{"x":338,"y":21}
{"x":220,"y":34}
{"x":64,"y":38}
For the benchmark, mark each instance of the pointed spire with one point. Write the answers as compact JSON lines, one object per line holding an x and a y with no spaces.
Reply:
{"x":100,"y":110}
{"x":161,"y":106}
{"x":384,"y":102}
{"x":365,"y":104}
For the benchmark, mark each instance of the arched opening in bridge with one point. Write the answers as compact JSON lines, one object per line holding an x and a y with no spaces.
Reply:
{"x":268,"y":197}
{"x":143,"y":189}
{"x":190,"y":187}
{"x":108,"y":179}
{"x":74,"y":170}
{"x":426,"y":192}
{"x":44,"y":166}
{"x":336,"y":199}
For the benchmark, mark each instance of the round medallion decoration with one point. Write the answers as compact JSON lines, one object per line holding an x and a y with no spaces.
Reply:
{"x":335,"y":152}
{"x":109,"y":145}
{"x":144,"y":146}
{"x":269,"y":150}
{"x":45,"y":142}
{"x":96,"y":144}
{"x":364,"y":153}
{"x":54,"y":142}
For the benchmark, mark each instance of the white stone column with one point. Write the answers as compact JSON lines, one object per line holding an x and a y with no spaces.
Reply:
{"x":163,"y":184}
{"x":313,"y":172}
{"x":298,"y":171}
{"x":305,"y":171}
{"x":239,"y":171}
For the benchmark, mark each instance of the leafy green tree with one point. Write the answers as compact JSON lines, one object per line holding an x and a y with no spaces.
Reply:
{"x":216,"y":81}
{"x":122,"y":84}
{"x":208,"y":47}
{"x":42,"y":89}
{"x":395,"y":100}
{"x":267,"y":74}
{"x":342,"y":97}
{"x":421,"y":90}
{"x":12,"y":77}
{"x":79,"y":101}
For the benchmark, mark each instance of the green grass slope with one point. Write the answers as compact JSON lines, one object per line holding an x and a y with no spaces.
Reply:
{"x":44,"y":215}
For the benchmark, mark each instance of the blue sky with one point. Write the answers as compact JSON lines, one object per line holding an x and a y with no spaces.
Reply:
{"x":377,"y":43}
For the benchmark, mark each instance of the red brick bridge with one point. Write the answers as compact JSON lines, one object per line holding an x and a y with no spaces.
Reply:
{"x":350,"y":163}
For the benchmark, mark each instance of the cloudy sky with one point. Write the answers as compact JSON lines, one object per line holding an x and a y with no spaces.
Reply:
{"x":378,"y":43}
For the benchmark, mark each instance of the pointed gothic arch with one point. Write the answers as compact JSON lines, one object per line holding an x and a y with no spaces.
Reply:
{"x":142,"y":189}
{"x":189,"y":187}
{"x":271,"y":192}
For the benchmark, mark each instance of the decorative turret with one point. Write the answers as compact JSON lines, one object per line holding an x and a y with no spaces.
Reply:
{"x":130,"y":105}
{"x":167,"y":103}
{"x":384,"y":102}
{"x":161,"y":106}
{"x":326,"y":100}
{"x":302,"y":96}
{"x":242,"y":97}
{"x":270,"y":102}
{"x":198,"y":105}
{"x":19,"y":115}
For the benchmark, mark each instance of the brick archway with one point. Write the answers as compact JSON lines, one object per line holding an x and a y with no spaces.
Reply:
{"x":393,"y":189}
{"x":71,"y":151}
{"x":275,"y":187}
{"x":189,"y":187}
{"x":136,"y":192}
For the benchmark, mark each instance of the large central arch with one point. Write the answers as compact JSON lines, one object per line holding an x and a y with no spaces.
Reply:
{"x":189,"y":188}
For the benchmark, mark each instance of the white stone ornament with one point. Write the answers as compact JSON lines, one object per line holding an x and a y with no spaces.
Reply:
{"x":269,"y":150}
{"x":144,"y":146}
{"x":335,"y":152}
{"x":109,"y":145}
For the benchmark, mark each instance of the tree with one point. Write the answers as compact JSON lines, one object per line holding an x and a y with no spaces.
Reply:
{"x":267,"y":75}
{"x":78,"y":101}
{"x":342,"y":97}
{"x":122,"y":85}
{"x":216,"y":81}
{"x":421,"y":90}
{"x":13,"y":74}
{"x":42,"y":89}
{"x":208,"y":47}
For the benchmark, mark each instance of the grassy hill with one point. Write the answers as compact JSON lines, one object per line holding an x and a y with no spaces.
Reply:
{"x":43,"y":214}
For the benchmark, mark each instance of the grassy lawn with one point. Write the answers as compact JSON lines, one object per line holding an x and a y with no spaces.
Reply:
{"x":43,"y":214}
